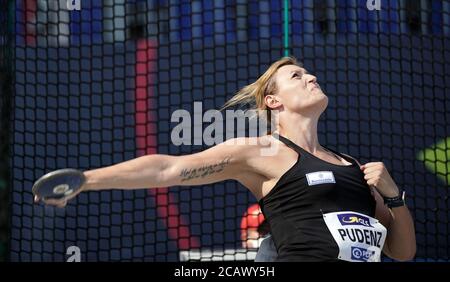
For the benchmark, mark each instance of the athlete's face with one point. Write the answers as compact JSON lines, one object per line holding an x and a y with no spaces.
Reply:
{"x":298,"y":91}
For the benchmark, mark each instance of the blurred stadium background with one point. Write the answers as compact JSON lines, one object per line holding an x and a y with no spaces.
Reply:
{"x":96,"y":86}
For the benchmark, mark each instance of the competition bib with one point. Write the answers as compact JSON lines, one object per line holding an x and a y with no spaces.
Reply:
{"x":360,"y":238}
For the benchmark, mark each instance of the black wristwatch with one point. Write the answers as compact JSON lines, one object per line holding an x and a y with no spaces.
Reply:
{"x":394,"y":202}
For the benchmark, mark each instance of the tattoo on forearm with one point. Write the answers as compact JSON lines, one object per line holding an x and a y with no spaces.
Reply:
{"x":201,"y":172}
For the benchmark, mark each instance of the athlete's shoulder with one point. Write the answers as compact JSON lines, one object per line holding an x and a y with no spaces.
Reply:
{"x":251,"y":142}
{"x":250,"y":147}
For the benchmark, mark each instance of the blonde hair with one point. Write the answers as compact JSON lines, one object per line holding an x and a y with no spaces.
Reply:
{"x":253,"y":94}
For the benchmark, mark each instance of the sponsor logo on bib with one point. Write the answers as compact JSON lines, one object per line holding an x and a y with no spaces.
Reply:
{"x":354,"y":219}
{"x":362,"y":254}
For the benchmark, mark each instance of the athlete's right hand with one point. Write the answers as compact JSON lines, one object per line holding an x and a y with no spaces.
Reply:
{"x":58,"y":187}
{"x":59,"y":203}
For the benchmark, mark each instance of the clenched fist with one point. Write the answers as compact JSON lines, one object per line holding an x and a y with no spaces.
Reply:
{"x":376,"y":174}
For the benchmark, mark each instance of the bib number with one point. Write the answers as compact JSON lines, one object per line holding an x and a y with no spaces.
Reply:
{"x":360,"y":238}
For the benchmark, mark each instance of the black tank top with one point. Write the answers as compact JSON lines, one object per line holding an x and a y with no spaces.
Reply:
{"x":294,"y":208}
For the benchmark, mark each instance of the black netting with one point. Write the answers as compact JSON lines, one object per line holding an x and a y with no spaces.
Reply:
{"x":98,"y":86}
{"x":6,"y":73}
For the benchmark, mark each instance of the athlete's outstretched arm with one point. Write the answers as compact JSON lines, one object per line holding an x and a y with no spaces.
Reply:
{"x":221,"y":162}
{"x":212,"y":165}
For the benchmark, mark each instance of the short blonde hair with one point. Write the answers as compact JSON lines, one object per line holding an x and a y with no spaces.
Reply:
{"x":254,"y":93}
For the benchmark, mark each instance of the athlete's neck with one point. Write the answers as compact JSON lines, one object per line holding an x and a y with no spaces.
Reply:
{"x":301,"y":130}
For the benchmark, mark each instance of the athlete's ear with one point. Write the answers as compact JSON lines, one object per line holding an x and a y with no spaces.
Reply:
{"x":272,"y":101}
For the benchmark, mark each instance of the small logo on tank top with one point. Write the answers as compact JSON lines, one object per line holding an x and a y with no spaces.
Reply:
{"x":320,"y":177}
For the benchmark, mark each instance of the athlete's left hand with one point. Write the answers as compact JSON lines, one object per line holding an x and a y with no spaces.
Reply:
{"x":376,"y":175}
